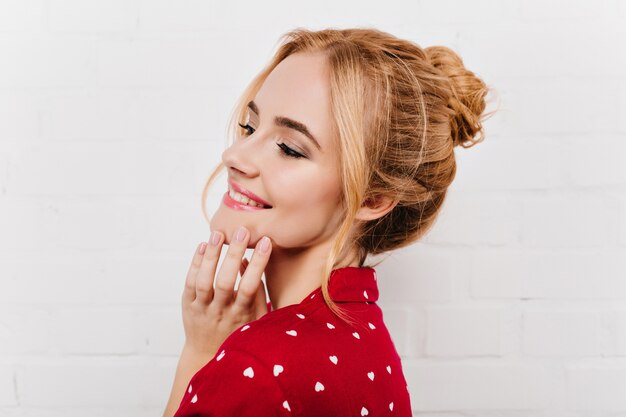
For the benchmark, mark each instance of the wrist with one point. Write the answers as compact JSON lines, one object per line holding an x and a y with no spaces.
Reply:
{"x":194,"y":354}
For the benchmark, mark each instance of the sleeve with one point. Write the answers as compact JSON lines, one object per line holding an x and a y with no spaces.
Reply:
{"x":234,"y":383}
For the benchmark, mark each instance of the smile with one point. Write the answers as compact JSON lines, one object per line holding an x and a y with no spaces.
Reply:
{"x":238,"y":201}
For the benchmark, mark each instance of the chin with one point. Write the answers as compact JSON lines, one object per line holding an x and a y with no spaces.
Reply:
{"x":228,"y":223}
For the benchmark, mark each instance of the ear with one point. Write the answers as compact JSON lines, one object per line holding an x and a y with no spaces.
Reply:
{"x":375,"y":208}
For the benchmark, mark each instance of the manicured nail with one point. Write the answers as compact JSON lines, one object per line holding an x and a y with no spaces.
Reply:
{"x":265,"y":244}
{"x":201,"y":248}
{"x":215,"y":238}
{"x":241,"y":233}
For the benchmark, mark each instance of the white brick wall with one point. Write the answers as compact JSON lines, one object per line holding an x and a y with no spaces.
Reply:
{"x":112,"y":113}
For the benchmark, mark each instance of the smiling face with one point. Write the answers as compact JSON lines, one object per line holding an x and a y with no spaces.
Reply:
{"x":276,"y":161}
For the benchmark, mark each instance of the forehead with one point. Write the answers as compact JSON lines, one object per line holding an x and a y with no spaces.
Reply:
{"x":299,"y":88}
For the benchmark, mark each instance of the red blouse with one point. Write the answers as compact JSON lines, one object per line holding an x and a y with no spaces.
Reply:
{"x":301,"y":360}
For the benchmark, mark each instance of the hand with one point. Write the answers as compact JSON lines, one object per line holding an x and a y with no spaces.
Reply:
{"x":211,"y":315}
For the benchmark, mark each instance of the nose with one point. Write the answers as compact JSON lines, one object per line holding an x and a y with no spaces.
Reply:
{"x":243,"y":156}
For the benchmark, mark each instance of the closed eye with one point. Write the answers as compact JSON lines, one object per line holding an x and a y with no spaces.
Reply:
{"x":285,"y":150}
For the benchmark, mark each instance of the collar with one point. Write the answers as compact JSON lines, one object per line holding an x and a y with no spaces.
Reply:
{"x":353,"y":284}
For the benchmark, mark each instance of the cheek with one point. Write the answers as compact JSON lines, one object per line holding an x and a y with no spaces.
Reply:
{"x":309,"y":190}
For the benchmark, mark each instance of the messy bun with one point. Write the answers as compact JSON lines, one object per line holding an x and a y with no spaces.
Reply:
{"x":467,"y":99}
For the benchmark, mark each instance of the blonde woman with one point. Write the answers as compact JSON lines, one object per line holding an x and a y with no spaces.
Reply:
{"x":344,"y":149}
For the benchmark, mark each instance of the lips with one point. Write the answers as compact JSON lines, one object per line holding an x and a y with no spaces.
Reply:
{"x":238,"y":188}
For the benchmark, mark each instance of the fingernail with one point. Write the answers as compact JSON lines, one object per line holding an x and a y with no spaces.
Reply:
{"x":215,"y":238}
{"x":201,"y":248}
{"x":265,"y":244}
{"x":241,"y":233}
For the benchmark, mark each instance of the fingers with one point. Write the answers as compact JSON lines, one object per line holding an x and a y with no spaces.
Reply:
{"x":206,"y":272}
{"x":227,"y":275}
{"x":189,"y":292}
{"x":242,"y":268}
{"x":249,"y":292}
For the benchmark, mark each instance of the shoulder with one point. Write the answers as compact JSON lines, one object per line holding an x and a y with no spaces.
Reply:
{"x":320,"y":362}
{"x":237,"y":383}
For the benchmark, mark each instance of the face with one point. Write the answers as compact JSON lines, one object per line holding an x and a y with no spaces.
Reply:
{"x":277,"y":162}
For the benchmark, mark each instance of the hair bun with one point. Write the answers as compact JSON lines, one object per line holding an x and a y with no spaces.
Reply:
{"x":467,"y":99}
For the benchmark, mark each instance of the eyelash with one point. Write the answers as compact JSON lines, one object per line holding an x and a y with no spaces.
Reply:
{"x":286,"y":150}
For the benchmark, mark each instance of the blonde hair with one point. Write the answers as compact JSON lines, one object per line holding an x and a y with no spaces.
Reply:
{"x":399,"y":110}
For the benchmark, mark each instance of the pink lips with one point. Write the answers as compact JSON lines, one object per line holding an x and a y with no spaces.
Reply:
{"x":248,"y":194}
{"x":234,"y":204}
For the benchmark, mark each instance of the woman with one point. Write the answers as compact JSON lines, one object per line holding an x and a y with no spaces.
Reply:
{"x":345,"y":149}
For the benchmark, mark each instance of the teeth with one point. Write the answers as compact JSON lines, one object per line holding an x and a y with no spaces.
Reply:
{"x":243,"y":199}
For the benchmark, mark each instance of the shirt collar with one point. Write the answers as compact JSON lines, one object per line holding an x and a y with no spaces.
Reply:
{"x":353,"y":284}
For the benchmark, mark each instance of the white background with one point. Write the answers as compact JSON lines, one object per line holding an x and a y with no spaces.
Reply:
{"x":113,"y":113}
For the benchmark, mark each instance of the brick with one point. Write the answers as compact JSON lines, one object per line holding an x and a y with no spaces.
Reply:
{"x":127,"y":382}
{"x":596,"y":385}
{"x":92,"y":15}
{"x":480,"y":385}
{"x":475,"y":218}
{"x":545,"y":274}
{"x":22,"y":15}
{"x":7,"y":386}
{"x":40,"y":61}
{"x":569,"y":219}
{"x":463,"y":331}
{"x":561,"y":333}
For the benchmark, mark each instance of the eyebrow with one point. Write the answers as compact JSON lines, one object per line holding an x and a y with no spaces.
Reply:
{"x":288,"y":123}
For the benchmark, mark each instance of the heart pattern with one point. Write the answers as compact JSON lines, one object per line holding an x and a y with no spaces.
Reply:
{"x":249,"y":372}
{"x":278,"y":368}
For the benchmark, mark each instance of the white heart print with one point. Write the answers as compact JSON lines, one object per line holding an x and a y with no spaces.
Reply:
{"x":291,"y":332}
{"x":278,"y":369}
{"x":371,"y":325}
{"x":330,"y":326}
{"x":195,"y":398}
{"x":286,"y":405}
{"x":249,"y":372}
{"x":364,"y":411}
{"x":220,"y":356}
{"x":333,"y":359}
{"x":389,"y":369}
{"x":355,"y":334}
{"x":244,"y":328}
{"x":319,"y":387}
{"x":370,"y":375}
{"x":300,"y":315}
{"x":391,"y":406}
{"x":189,"y":391}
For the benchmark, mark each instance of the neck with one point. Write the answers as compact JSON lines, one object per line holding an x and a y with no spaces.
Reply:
{"x":292,"y":274}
